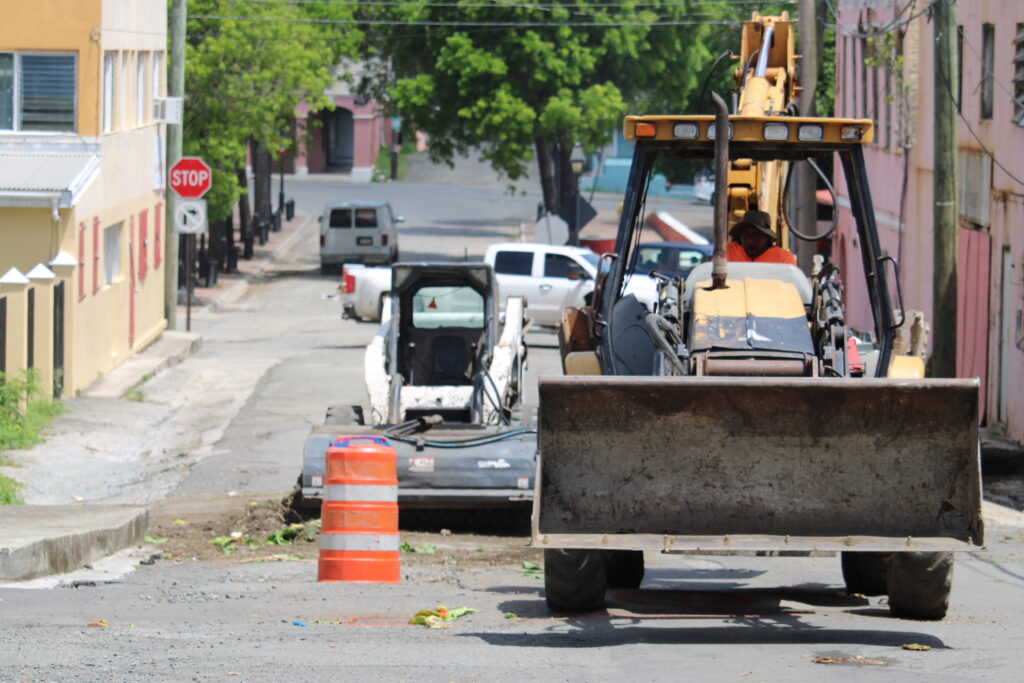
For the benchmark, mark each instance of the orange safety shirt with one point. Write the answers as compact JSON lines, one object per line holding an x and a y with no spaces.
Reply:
{"x":734,"y":252}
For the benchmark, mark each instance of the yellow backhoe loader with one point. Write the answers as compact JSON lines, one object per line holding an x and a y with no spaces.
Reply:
{"x":740,"y":414}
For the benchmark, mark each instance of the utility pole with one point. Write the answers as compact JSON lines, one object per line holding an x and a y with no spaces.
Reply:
{"x":944,"y":191}
{"x":806,"y":179}
{"x":175,"y":88}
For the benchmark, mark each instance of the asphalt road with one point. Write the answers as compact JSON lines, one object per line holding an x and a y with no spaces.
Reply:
{"x":236,"y":417}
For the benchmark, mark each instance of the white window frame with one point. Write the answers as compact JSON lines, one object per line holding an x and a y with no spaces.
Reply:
{"x":112,"y":238}
{"x":16,"y":89}
{"x":141,"y":117}
{"x":123,"y":75}
{"x":157,"y":64}
{"x":109,"y":91}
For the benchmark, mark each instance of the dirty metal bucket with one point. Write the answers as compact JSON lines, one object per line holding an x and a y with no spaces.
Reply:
{"x":699,"y":463}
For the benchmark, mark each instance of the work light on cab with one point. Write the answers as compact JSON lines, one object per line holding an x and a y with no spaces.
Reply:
{"x":810,"y":132}
{"x":685,"y":131}
{"x":645,"y":130}
{"x":776,"y":131}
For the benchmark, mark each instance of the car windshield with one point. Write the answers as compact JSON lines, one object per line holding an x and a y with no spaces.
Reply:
{"x":437,"y":307}
{"x":666,"y":260}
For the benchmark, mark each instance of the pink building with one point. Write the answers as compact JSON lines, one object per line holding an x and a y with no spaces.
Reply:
{"x":884,"y":71}
{"x":346,"y":139}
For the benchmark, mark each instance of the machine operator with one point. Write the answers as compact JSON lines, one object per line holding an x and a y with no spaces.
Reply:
{"x":753,"y":240}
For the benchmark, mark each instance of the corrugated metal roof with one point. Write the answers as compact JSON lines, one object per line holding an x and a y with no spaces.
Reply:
{"x":42,"y":172}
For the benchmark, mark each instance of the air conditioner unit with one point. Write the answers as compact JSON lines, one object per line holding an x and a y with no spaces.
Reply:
{"x":168,"y":109}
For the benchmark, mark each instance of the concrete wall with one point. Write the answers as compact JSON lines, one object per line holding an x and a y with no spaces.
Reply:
{"x":993,"y":344}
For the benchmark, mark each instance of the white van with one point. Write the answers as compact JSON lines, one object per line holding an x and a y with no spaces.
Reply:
{"x":357,"y":232}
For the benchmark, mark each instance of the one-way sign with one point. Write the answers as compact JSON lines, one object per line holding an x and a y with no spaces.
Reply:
{"x":190,"y":216}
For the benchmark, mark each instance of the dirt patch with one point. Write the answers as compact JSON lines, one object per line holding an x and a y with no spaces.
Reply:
{"x":260,"y":529}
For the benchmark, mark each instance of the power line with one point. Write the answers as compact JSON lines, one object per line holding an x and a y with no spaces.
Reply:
{"x":612,"y":23}
{"x":505,"y":4}
{"x":949,"y":91}
{"x":897,"y":22}
{"x":988,"y":71}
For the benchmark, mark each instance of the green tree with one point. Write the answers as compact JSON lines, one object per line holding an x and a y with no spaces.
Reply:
{"x":248,"y":64}
{"x":525,"y":81}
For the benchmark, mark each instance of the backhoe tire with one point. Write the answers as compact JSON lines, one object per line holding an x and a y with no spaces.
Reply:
{"x":344,"y":415}
{"x":624,"y":568}
{"x":919,"y":585}
{"x":866,"y":573}
{"x":574,"y":580}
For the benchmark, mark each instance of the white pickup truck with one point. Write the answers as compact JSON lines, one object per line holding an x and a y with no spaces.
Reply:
{"x":550,"y":277}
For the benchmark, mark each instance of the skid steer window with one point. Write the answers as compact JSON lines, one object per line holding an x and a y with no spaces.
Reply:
{"x":440,"y":307}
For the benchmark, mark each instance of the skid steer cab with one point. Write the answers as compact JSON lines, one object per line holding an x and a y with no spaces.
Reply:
{"x":738,"y":412}
{"x":444,"y":386}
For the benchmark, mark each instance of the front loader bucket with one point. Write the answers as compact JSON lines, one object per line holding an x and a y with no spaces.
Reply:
{"x":698,"y":463}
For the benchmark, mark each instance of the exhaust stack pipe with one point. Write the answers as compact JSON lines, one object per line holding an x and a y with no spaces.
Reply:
{"x":718,"y":267}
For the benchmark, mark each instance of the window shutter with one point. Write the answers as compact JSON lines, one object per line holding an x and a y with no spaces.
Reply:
{"x":158,"y":215}
{"x":81,"y":261}
{"x":143,"y":242}
{"x":95,"y":254}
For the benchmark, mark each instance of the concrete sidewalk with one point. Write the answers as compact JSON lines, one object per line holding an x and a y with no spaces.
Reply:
{"x":41,"y":540}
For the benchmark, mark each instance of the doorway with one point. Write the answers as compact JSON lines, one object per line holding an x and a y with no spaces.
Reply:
{"x":339,"y":138}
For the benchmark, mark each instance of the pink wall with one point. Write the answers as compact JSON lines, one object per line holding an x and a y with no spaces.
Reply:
{"x":366,"y":124}
{"x":999,"y":355}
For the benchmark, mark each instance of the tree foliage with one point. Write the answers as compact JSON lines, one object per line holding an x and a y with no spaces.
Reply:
{"x":247,"y":65}
{"x":524,"y":81}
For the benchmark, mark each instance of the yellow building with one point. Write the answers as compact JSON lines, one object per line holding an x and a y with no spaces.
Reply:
{"x":81,"y":185}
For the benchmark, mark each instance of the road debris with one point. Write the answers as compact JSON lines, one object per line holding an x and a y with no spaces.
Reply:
{"x":917,"y":647}
{"x":428,"y":549}
{"x":848,"y":660}
{"x":439,"y":618}
{"x":532,"y":571}
{"x":99,"y":623}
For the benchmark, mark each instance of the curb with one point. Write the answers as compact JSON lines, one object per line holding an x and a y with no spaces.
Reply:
{"x":61,"y":538}
{"x":170,"y":348}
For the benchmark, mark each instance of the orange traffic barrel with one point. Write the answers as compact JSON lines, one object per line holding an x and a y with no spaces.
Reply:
{"x":359,"y":515}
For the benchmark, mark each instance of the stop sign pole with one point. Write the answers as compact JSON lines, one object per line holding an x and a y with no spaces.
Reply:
{"x":190,"y":178}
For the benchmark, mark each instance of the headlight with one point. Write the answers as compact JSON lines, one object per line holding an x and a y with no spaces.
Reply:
{"x":685,"y":131}
{"x":776,"y":131}
{"x":711,"y":131}
{"x":810,"y":132}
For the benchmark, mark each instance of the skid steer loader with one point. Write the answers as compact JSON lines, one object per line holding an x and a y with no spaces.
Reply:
{"x":741,"y":414}
{"x":445,"y":382}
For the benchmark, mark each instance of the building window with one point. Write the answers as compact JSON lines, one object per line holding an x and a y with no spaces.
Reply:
{"x":988,"y":47}
{"x":1018,"y":76}
{"x":140,"y":90}
{"x":37,"y":91}
{"x":111,"y":253}
{"x":109,"y":91}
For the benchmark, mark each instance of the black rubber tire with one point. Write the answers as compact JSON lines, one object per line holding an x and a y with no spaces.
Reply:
{"x":574,"y":580}
{"x":344,"y":415}
{"x":866,"y":573}
{"x":624,"y":568}
{"x":919,"y":585}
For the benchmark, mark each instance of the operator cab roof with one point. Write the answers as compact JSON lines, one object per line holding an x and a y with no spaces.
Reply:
{"x":751,"y":137}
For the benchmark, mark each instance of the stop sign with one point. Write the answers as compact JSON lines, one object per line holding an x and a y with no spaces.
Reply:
{"x":190,"y":177}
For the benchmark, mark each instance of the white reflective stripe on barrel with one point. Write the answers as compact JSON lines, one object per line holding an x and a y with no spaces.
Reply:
{"x":380,"y":542}
{"x":361,"y":492}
